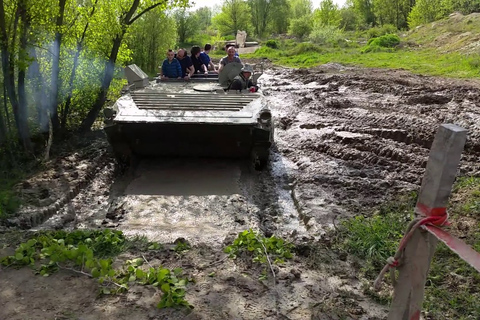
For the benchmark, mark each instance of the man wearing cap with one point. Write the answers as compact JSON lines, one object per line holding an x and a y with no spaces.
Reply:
{"x":243,"y":81}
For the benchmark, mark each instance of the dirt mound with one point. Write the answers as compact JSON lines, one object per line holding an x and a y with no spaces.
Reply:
{"x":457,"y":33}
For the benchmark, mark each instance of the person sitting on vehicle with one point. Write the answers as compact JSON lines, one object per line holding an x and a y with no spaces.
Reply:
{"x":186,"y":64}
{"x":243,"y":80}
{"x":228,"y":59}
{"x":171,"y":68}
{"x":197,"y":63}
{"x":205,"y":58}
{"x":233,"y":46}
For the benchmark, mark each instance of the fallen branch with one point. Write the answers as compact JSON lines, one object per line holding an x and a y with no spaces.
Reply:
{"x":269,"y":262}
{"x":90,"y":276}
{"x":214,"y":263}
{"x":74,"y":270}
{"x":50,"y":138}
{"x":147,"y":261}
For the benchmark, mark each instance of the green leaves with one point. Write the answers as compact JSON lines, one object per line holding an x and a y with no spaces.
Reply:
{"x":82,"y":252}
{"x":257,"y":246}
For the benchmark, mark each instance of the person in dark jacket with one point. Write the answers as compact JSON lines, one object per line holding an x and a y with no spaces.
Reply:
{"x":186,"y":63}
{"x":171,"y":67}
{"x":243,"y":80}
{"x":199,"y":66}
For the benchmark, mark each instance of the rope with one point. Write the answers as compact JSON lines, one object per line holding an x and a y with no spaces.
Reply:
{"x":431,"y":216}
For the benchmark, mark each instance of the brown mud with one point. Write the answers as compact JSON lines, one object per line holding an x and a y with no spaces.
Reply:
{"x":347,"y":139}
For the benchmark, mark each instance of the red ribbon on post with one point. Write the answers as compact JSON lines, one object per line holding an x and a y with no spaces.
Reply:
{"x":435,"y":216}
{"x":432,"y":220}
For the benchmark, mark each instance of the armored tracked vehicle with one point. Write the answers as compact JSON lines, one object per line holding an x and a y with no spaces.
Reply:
{"x":196,"y":118}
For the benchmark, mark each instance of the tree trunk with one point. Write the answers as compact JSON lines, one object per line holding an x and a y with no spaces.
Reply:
{"x":127,"y":20}
{"x":22,"y":96}
{"x":55,"y":82}
{"x":68,"y":101}
{"x":39,"y":92}
{"x":8,"y":76}
{"x":3,"y":128}
{"x":107,"y":79}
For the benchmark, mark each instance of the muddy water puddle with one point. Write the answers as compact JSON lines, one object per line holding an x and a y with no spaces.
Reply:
{"x":199,"y":200}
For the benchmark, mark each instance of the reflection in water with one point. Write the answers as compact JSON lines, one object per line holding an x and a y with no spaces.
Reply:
{"x":200,"y":177}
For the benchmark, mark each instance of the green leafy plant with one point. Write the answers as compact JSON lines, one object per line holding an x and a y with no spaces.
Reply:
{"x":90,"y":253}
{"x":258,"y":247}
{"x":383,"y":43}
{"x":8,"y":203}
{"x":327,"y":34}
{"x":181,"y":246}
{"x":304,"y":47}
{"x":380,"y":31}
{"x":272,"y":43}
{"x":154,"y":246}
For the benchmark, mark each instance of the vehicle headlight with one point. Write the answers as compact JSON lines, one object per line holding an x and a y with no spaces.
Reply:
{"x":265,"y":117}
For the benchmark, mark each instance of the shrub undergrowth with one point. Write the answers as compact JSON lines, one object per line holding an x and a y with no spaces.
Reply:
{"x":452,"y":288}
{"x":383,"y":43}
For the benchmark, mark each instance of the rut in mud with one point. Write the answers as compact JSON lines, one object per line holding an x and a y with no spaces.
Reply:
{"x":346,"y":140}
{"x":355,"y":138}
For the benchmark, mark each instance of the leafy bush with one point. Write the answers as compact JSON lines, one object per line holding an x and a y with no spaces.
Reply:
{"x":327,"y":34}
{"x":300,"y":27}
{"x":383,"y":43}
{"x":8,"y":203}
{"x":376,"y":32}
{"x":264,"y":52}
{"x":304,"y":47}
{"x":272,"y":44}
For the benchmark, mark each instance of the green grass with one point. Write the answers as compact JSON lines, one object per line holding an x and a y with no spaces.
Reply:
{"x":426,"y":61}
{"x":453,"y":287}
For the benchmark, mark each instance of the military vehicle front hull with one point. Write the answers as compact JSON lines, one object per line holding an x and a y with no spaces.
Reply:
{"x":172,"y":119}
{"x":186,"y":139}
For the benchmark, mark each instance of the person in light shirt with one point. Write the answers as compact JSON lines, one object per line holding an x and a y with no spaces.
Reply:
{"x":229,"y":58}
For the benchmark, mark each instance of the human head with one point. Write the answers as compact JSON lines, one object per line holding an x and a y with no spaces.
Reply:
{"x":247,"y":71}
{"x":181,"y":53}
{"x":228,"y":46}
{"x":170,"y":54}
{"x":231,"y":51}
{"x":207,"y":47}
{"x":195,"y":51}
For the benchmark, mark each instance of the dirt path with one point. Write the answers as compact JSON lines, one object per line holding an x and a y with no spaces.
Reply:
{"x":346,"y":140}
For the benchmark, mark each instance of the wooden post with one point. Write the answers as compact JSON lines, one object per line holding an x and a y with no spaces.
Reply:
{"x":436,"y":188}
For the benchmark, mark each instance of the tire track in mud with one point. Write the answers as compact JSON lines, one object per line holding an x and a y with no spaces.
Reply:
{"x":358,"y":137}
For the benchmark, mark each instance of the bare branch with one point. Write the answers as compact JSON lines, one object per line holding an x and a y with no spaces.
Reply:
{"x":145,"y":11}
{"x":147,"y":261}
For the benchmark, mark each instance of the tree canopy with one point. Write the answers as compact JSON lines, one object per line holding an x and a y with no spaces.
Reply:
{"x":60,"y":57}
